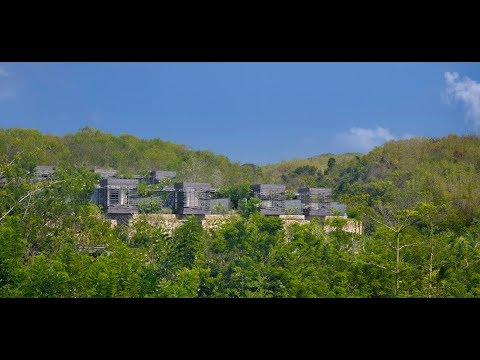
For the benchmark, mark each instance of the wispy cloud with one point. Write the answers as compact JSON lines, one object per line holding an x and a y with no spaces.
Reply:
{"x":406,"y":136}
{"x":3,"y":72}
{"x":8,"y":89}
{"x":466,"y":91}
{"x":363,"y":140}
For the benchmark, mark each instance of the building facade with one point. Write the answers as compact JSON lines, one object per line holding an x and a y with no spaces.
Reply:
{"x":272,"y":198}
{"x":105,"y":173}
{"x":118,"y":196}
{"x":192,"y":198}
{"x":316,"y":201}
{"x":44,"y":172}
{"x":156,"y":176}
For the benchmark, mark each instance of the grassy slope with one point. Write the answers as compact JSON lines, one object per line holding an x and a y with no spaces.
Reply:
{"x":444,"y":171}
{"x":275,"y":171}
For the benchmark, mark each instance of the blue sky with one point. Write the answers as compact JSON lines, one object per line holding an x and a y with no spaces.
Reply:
{"x":251,"y":112}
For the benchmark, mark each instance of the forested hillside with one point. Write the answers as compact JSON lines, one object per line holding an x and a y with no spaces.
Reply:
{"x":418,"y":200}
{"x":131,"y":155}
{"x":444,"y":172}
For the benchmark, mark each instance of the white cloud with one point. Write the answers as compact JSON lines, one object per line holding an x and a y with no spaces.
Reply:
{"x":466,"y":91}
{"x":363,"y":140}
{"x":407,"y":136}
{"x":7,"y":86}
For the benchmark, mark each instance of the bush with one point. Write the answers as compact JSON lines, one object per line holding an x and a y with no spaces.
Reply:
{"x":219,"y":209}
{"x":289,"y":195}
{"x":149,"y":205}
{"x":249,"y":207}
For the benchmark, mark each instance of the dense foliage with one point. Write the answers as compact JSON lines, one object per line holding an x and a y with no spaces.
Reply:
{"x":89,"y":148}
{"x":418,"y":200}
{"x":130,"y":155}
{"x":315,"y":171}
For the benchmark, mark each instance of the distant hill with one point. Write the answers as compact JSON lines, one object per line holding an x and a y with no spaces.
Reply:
{"x":90,"y":147}
{"x":444,"y":171}
{"x":319,"y":161}
{"x":305,"y":171}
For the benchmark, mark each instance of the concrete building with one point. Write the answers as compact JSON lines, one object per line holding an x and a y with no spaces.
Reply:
{"x":272,"y":198}
{"x":44,"y":172}
{"x":105,"y":173}
{"x":192,"y":198}
{"x":119,"y":196}
{"x":156,"y":176}
{"x":316,"y":201}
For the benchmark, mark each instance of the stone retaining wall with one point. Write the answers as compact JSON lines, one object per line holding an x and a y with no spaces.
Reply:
{"x":170,"y":222}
